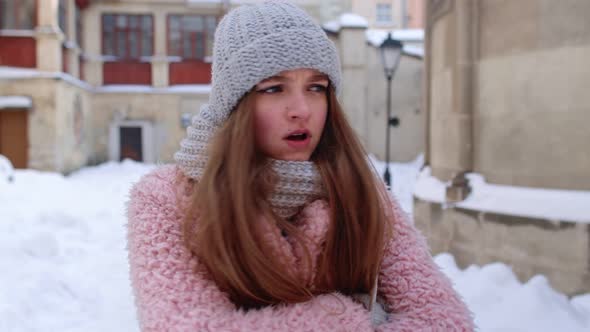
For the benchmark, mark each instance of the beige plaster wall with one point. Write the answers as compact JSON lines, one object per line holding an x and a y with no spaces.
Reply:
{"x":353,"y":55}
{"x":53,"y":145}
{"x":74,"y":127}
{"x":445,"y":123}
{"x":49,"y":37}
{"x":407,"y":141}
{"x":42,"y":119}
{"x":163,"y":111}
{"x":416,"y":14}
{"x":364,"y":96}
{"x":507,"y":93}
{"x":368,"y":9}
{"x":560,"y":250}
{"x":532,"y":102}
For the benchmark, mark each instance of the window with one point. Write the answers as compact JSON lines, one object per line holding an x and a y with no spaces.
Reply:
{"x":63,"y":16}
{"x":384,"y":13}
{"x":191,"y":36}
{"x":127,"y":36}
{"x":78,"y":20}
{"x":17,"y":14}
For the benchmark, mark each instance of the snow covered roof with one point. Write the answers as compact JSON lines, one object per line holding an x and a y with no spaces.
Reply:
{"x":15,"y":102}
{"x":549,"y":204}
{"x":347,"y":20}
{"x":332,"y":26}
{"x":377,"y":36}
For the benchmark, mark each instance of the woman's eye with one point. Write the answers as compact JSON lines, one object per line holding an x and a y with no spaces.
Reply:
{"x":318,"y":88}
{"x":271,"y":89}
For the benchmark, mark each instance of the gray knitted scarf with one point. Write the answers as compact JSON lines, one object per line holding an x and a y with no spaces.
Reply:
{"x":299,"y":183}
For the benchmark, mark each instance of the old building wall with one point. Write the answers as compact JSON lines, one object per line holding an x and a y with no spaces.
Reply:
{"x":558,"y":249}
{"x":42,"y":119}
{"x":74,"y":126}
{"x":505,"y":98}
{"x":162,"y":110}
{"x":408,"y":139}
{"x":505,"y":91}
{"x":532,"y":103}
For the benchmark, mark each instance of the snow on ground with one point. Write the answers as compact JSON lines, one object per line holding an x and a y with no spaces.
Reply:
{"x":403,"y":179}
{"x":62,"y":250}
{"x":64,"y":264}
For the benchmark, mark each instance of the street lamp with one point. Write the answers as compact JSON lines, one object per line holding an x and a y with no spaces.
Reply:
{"x":391,"y":51}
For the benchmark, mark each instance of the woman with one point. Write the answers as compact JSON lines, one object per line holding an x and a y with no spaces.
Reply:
{"x":272,"y":219}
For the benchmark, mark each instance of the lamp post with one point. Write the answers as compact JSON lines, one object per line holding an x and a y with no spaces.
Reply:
{"x":391,"y":51}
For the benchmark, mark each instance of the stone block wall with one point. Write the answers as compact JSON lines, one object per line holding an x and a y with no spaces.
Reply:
{"x":560,"y":250}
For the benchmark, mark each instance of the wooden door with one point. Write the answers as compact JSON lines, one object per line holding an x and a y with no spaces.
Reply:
{"x":14,"y":142}
{"x":130,"y":143}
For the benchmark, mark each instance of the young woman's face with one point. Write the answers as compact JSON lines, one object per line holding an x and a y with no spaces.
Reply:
{"x":289,"y":113}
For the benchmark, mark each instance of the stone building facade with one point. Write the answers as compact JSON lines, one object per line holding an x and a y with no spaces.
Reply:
{"x":506,"y":98}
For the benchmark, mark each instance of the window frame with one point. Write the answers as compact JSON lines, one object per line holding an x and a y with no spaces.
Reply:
{"x":128,"y":31}
{"x":207,"y":49}
{"x":62,"y":16}
{"x":79,"y":24}
{"x":379,"y":13}
{"x":17,"y":7}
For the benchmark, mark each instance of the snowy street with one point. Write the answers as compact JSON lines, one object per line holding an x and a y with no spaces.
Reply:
{"x":64,"y":263}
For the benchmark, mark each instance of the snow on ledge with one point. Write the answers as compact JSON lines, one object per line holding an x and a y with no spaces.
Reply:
{"x":15,"y":102}
{"x":347,"y":20}
{"x":127,"y":88}
{"x":377,"y":36}
{"x":415,"y":37}
{"x":550,"y":204}
{"x":414,"y":51}
{"x":331,"y":26}
{"x":9,"y":73}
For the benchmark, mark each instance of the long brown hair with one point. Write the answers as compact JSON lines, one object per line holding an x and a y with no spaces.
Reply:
{"x":231,"y":196}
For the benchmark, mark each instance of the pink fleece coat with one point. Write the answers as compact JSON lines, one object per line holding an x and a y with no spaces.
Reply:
{"x":174,"y":293}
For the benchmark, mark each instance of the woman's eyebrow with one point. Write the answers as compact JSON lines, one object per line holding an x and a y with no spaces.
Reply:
{"x":318,"y":77}
{"x":274,"y":78}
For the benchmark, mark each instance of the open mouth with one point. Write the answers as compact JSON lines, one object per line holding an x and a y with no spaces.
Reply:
{"x":298,"y":137}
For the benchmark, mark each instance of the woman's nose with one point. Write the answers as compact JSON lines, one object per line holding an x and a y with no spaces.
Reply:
{"x":298,"y":107}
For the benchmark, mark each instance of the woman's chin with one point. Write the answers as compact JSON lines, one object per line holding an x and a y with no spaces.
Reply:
{"x":293,"y":157}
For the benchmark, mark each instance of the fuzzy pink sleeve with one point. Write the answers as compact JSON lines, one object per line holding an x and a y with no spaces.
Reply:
{"x":172,"y":289}
{"x":418,"y":295}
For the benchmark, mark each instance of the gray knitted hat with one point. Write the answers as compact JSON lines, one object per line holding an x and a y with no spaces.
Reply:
{"x":252,"y":43}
